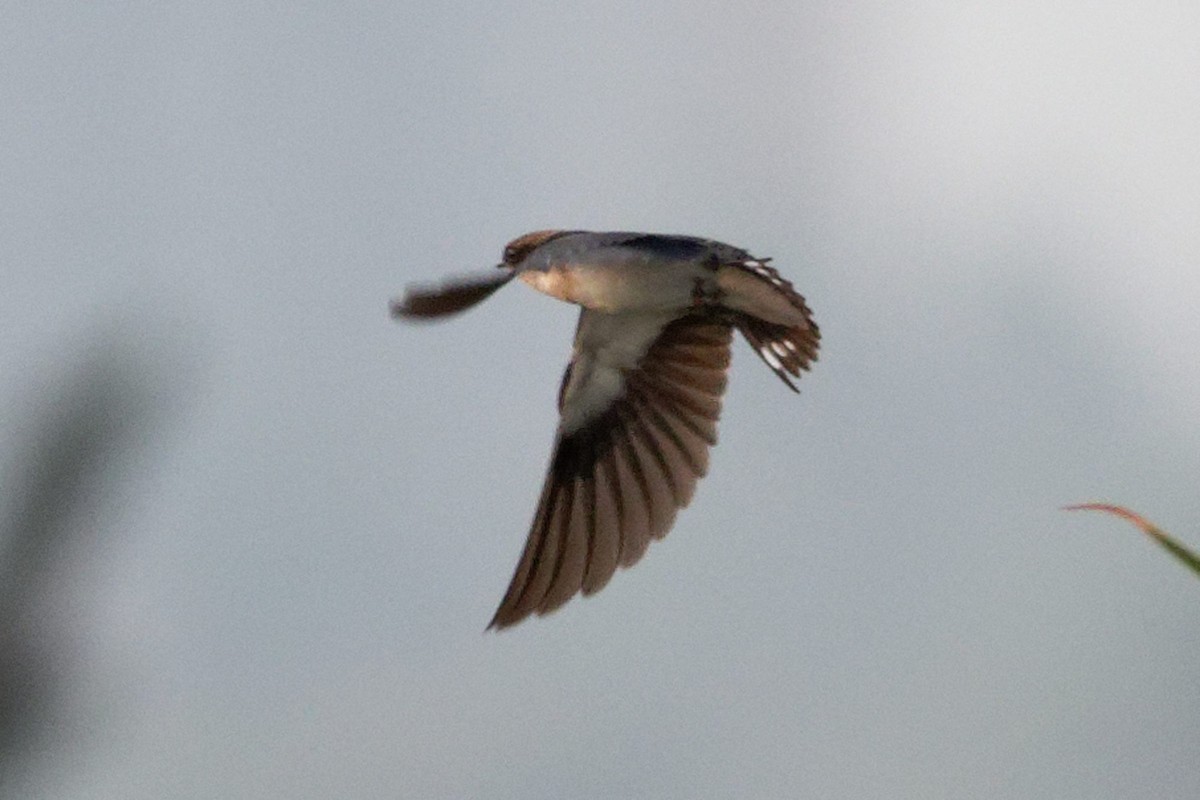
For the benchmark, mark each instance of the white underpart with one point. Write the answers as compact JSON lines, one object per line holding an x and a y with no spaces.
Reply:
{"x":607,"y":347}
{"x":617,"y":282}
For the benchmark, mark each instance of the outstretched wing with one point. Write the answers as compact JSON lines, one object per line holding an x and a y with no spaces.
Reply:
{"x":639,"y":403}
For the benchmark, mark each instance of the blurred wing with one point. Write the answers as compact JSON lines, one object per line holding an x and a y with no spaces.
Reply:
{"x":630,"y":447}
{"x":449,"y":298}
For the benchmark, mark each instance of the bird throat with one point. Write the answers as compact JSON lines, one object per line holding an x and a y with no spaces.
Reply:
{"x":558,"y":282}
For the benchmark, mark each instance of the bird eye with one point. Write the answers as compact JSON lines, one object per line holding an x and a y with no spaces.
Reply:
{"x":510,"y":255}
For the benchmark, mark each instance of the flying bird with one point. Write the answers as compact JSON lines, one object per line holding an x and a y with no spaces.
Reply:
{"x":639,"y":401}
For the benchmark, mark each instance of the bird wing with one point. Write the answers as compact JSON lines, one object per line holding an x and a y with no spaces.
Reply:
{"x":639,"y":406}
{"x":458,"y":294}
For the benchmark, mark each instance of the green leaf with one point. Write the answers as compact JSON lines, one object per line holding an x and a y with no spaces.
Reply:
{"x":1189,"y":558}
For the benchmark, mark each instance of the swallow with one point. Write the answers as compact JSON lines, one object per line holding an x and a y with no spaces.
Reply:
{"x":639,"y":401}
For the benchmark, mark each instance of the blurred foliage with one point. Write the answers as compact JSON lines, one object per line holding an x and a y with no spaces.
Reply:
{"x":64,"y":451}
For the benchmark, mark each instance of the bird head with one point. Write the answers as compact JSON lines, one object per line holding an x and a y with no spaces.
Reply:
{"x":519,"y":248}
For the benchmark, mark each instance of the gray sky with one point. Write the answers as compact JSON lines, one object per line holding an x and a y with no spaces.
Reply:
{"x":991,"y":207}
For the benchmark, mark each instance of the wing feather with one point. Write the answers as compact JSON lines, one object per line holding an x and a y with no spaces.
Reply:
{"x":429,"y":302}
{"x":618,"y":477}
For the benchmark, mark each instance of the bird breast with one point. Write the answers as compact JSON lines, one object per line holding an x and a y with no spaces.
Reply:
{"x":619,"y":287}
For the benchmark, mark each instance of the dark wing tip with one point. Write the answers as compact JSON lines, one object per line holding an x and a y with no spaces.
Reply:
{"x":421,"y":302}
{"x":627,"y":473}
{"x":398,"y":307}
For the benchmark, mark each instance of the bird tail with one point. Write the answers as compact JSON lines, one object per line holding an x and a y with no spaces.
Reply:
{"x":786,"y":350}
{"x":773,"y":317}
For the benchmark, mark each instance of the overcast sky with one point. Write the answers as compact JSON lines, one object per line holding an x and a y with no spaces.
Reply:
{"x":991,"y":207}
